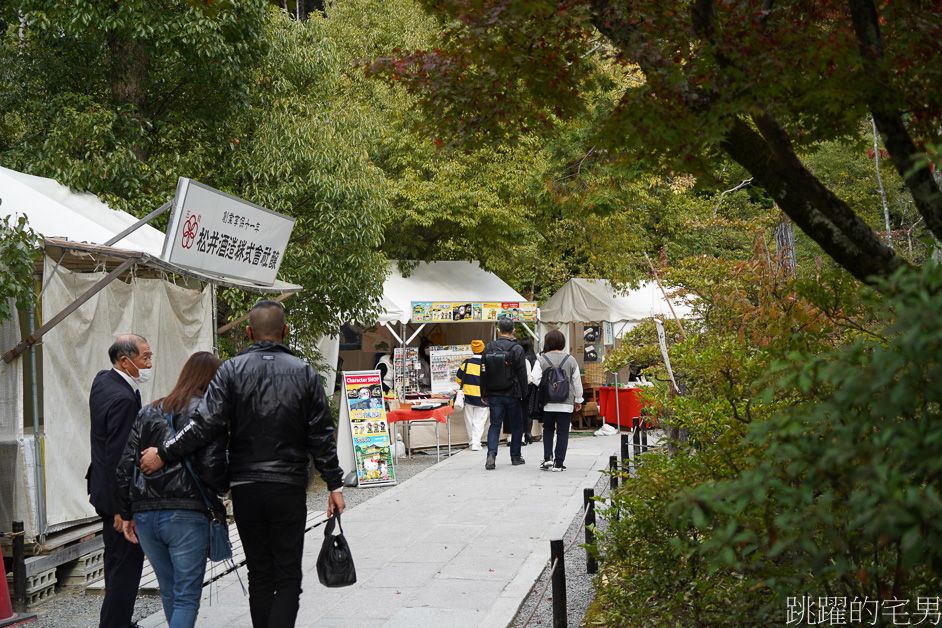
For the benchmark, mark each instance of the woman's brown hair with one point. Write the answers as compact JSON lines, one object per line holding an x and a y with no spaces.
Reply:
{"x":194,"y":379}
{"x":554,"y":341}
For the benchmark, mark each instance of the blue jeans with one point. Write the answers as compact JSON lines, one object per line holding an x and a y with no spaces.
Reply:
{"x":505,"y":408}
{"x":559,"y":423}
{"x":176,"y":543}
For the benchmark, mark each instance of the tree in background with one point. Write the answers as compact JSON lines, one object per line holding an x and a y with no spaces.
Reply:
{"x":757,"y":84}
{"x":121,"y":100}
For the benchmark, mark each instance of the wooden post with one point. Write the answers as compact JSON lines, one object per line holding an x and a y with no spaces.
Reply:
{"x":613,"y":484}
{"x":591,"y":565}
{"x":558,"y":556}
{"x":19,"y":569}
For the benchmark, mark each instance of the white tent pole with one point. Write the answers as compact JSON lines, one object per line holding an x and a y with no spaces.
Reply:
{"x":529,"y":331}
{"x":658,"y":279}
{"x":392,"y":331}
{"x":412,"y":337}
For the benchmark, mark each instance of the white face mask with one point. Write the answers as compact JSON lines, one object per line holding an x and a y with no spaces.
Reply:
{"x":143,"y":375}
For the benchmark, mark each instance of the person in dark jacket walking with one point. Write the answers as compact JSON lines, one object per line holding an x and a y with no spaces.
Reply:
{"x":504,"y":383}
{"x":165,"y":512}
{"x":274,"y":406}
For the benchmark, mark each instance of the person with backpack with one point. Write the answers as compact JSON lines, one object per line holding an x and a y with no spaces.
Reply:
{"x":560,"y":394}
{"x":503,"y":385}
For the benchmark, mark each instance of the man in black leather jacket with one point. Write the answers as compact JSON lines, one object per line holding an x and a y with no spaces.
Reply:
{"x":276,"y":411}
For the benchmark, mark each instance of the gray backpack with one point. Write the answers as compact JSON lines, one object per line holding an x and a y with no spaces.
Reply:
{"x":554,"y":383}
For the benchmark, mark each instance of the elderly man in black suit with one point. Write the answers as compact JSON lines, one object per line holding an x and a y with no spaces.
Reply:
{"x":113,"y":405}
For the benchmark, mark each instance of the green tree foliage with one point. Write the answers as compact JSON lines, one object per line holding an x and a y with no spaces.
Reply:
{"x":122,"y":100}
{"x":758,"y":84}
{"x":663,"y":564}
{"x":297,"y":150}
{"x":119,"y":100}
{"x":19,"y":252}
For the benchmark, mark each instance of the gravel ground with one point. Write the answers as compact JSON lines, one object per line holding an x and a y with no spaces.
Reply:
{"x":72,"y":608}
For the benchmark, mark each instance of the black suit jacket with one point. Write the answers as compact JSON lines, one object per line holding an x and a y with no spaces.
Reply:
{"x":113,"y":406}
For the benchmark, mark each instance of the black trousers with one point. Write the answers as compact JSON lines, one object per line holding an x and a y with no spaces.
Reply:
{"x":270,"y":518}
{"x":124,"y":562}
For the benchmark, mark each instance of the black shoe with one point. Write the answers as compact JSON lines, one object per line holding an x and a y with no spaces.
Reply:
{"x":516,"y":461}
{"x":527,"y":439}
{"x":491,"y":462}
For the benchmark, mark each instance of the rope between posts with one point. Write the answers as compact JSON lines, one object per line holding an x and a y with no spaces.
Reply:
{"x":542,"y":593}
{"x":20,"y":533}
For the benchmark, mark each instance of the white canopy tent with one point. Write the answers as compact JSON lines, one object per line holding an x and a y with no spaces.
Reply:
{"x":444,"y":281}
{"x":589,"y":300}
{"x":91,"y":293}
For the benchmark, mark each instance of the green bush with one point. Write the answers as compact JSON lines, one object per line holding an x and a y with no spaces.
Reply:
{"x":832,"y":493}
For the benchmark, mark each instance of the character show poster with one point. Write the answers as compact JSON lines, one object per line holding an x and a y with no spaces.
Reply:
{"x":363,"y":394}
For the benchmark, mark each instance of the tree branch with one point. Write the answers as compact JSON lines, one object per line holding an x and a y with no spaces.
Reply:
{"x":899,"y":144}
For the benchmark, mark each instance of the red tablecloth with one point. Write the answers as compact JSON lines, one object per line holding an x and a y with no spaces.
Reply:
{"x":629,"y":405}
{"x":405,"y":414}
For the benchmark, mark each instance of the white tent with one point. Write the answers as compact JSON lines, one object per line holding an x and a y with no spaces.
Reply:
{"x":55,"y":211}
{"x":443,"y":281}
{"x":595,"y":300}
{"x":126,"y":287}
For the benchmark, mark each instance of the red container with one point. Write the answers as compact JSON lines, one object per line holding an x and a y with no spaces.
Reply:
{"x":628,"y":408}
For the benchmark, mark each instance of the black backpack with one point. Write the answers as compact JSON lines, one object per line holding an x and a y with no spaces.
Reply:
{"x":554,"y":383}
{"x":497,"y":370}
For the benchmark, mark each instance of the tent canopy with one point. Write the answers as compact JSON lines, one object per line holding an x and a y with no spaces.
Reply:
{"x":55,"y":211}
{"x":441,"y":281}
{"x":58,"y":213}
{"x":589,"y":300}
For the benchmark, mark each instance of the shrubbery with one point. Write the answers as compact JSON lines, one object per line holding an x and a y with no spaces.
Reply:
{"x":812,"y":469}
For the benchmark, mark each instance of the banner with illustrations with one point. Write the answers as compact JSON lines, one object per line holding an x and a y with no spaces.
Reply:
{"x":363,"y":405}
{"x":469,"y":312}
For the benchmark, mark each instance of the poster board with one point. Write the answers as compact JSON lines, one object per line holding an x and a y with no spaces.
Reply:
{"x":444,"y":362}
{"x":363,"y":418}
{"x":405,"y":367}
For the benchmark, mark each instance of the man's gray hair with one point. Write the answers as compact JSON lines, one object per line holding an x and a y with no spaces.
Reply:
{"x":505,"y":325}
{"x":126,"y":346}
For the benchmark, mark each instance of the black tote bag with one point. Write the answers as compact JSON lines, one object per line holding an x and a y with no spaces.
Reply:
{"x":335,"y":563}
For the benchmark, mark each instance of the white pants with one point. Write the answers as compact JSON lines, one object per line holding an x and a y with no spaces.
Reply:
{"x":475,"y":417}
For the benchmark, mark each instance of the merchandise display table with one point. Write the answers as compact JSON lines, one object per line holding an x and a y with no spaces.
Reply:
{"x":627,"y":410}
{"x":408,"y":416}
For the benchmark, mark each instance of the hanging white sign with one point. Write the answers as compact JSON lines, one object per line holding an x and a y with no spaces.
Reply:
{"x":667,"y":361}
{"x":217,"y":233}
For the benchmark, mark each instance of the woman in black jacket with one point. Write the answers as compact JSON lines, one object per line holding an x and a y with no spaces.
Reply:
{"x":165,"y":511}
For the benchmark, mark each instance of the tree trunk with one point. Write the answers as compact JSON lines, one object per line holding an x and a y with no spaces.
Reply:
{"x":129,"y":81}
{"x":785,"y":247}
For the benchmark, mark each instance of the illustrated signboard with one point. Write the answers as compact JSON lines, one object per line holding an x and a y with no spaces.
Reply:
{"x":214,"y":232}
{"x":365,"y":415}
{"x":468,"y":312}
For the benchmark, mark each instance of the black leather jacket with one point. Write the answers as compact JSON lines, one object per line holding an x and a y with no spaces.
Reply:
{"x":172,"y":487}
{"x":275,"y":409}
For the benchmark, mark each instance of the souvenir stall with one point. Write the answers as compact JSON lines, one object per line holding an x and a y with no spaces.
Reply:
{"x":593,"y":316}
{"x":450,"y":303}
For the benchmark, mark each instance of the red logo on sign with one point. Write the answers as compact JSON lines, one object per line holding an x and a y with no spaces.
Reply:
{"x":190,"y":228}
